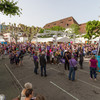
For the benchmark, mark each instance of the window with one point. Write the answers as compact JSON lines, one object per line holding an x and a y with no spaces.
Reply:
{"x":48,"y":25}
{"x":67,"y":24}
{"x":54,"y":24}
{"x":69,"y":20}
{"x":61,"y":22}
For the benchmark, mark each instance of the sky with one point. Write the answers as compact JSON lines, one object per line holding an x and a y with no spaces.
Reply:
{"x":40,"y":12}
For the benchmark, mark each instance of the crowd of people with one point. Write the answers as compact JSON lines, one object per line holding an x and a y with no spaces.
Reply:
{"x":42,"y":53}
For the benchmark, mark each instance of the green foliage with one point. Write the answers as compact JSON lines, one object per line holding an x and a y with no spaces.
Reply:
{"x":29,"y":31}
{"x":92,"y":29}
{"x":9,"y":8}
{"x":3,"y":28}
{"x":41,"y":30}
{"x":74,"y":29}
{"x":57,"y":28}
{"x":14,"y":30}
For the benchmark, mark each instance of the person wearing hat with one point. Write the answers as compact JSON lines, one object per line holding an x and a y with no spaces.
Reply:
{"x":43,"y":63}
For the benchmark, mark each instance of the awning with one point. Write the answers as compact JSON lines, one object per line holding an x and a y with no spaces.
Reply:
{"x":64,"y":39}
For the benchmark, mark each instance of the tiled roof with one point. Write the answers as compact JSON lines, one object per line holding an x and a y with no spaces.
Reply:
{"x":66,"y":22}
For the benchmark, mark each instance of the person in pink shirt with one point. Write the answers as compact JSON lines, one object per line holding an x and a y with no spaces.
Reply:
{"x":93,"y":63}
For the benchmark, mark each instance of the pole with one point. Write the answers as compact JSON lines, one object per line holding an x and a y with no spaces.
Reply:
{"x":56,"y":37}
{"x":98,"y":47}
{"x":36,"y":39}
{"x":0,"y":27}
{"x":74,"y":37}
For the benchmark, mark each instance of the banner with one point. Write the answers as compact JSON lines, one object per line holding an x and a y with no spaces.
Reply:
{"x":5,"y":42}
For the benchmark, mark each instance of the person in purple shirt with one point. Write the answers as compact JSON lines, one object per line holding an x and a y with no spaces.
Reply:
{"x":35,"y":63}
{"x":72,"y":63}
{"x":48,"y":47}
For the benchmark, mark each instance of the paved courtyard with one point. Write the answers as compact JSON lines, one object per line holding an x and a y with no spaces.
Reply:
{"x":55,"y":86}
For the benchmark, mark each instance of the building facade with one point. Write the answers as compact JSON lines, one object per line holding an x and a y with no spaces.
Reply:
{"x":66,"y":23}
{"x":1,"y":38}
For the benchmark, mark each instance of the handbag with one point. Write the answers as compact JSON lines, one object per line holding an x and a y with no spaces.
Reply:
{"x":75,"y":67}
{"x":62,"y":60}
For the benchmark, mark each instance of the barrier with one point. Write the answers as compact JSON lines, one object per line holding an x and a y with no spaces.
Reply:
{"x":3,"y":42}
{"x":98,"y":58}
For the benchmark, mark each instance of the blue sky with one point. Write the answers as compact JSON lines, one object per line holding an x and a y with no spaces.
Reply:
{"x":41,"y":12}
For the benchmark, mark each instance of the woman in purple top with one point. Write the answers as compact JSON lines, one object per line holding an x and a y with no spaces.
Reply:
{"x":72,"y":63}
{"x":93,"y":63}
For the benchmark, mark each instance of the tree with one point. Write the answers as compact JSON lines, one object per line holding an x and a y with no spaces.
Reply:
{"x":57,"y":28}
{"x":29,"y":31}
{"x":74,"y":29}
{"x":92,"y":29}
{"x":3,"y":28}
{"x":41,"y":30}
{"x":14,"y":30}
{"x":8,"y":7}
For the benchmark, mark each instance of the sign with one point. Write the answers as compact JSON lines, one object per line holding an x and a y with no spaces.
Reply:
{"x":5,"y":42}
{"x":2,"y":42}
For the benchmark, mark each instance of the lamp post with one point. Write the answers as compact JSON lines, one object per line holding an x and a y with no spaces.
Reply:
{"x":0,"y":27}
